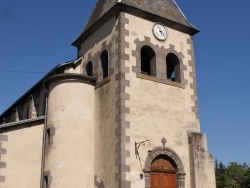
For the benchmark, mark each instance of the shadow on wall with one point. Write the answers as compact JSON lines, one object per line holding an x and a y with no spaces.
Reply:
{"x":99,"y":184}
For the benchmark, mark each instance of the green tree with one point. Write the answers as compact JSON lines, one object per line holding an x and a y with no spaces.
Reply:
{"x":233,"y":175}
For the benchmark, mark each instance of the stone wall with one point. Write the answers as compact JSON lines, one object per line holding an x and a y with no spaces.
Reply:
{"x":69,"y":160}
{"x":21,"y":155}
{"x":202,"y":162}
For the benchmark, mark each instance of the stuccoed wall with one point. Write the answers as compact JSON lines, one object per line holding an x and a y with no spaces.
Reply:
{"x":70,"y":158}
{"x":93,"y":45}
{"x":105,"y":97}
{"x":158,"y":110}
{"x":203,"y":162}
{"x":105,"y":141}
{"x":23,"y":156}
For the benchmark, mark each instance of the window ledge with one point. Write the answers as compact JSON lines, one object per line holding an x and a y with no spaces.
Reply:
{"x":103,"y":82}
{"x":158,"y":80}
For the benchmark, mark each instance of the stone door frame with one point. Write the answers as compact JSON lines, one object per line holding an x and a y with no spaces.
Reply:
{"x":170,"y":153}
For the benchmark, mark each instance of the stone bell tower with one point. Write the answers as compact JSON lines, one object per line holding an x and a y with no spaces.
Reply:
{"x":123,"y":114}
{"x":146,"y":123}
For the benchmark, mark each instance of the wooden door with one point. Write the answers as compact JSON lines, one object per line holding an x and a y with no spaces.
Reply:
{"x":162,"y":180}
{"x":163,"y":173}
{"x":168,"y":180}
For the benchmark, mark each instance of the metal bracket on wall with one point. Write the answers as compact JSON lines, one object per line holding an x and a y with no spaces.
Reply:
{"x":137,"y":146}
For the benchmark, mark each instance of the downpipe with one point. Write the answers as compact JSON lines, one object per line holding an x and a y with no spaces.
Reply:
{"x":44,"y":139}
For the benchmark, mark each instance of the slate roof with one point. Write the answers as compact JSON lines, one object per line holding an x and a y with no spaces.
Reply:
{"x":164,"y":8}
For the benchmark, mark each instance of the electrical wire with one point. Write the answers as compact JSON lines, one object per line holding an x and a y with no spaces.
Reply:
{"x":25,"y":72}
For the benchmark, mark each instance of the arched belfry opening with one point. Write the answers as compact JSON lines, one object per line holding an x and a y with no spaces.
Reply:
{"x":173,"y":67}
{"x":148,"y":62}
{"x":89,"y":68}
{"x":105,"y":63}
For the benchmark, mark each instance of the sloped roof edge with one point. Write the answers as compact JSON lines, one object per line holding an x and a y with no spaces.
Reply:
{"x":169,"y":11}
{"x":51,"y":72}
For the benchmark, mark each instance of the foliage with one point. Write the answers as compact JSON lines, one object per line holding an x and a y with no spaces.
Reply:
{"x":233,"y":175}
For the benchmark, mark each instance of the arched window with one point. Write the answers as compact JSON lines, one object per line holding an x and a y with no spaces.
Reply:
{"x":148,"y":63}
{"x":15,"y":115}
{"x":89,"y":68}
{"x":163,"y":172}
{"x":173,"y":67}
{"x":46,"y":181}
{"x":3,"y":121}
{"x":105,"y":63}
{"x":28,"y":110}
{"x":29,"y":106}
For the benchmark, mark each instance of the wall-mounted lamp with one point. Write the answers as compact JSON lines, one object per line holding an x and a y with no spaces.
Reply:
{"x":141,"y":176}
{"x":137,"y":146}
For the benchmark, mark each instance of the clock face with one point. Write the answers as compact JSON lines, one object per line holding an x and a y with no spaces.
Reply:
{"x":160,"y":32}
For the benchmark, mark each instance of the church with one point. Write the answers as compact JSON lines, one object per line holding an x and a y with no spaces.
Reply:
{"x":123,"y":114}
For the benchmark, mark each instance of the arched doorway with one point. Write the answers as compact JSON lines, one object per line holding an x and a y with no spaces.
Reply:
{"x":163,"y":172}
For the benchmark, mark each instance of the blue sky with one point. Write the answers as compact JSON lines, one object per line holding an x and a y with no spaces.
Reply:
{"x":36,"y":35}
